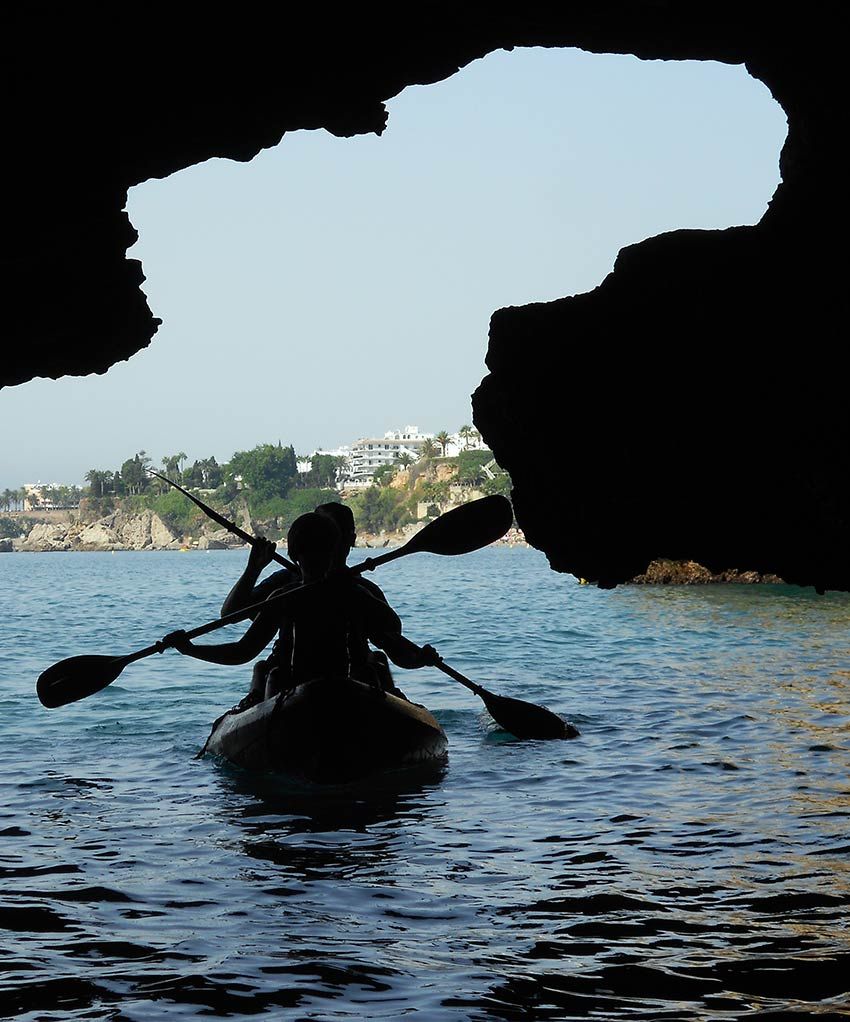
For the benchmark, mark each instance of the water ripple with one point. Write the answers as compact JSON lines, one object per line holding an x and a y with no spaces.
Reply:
{"x":685,"y":859}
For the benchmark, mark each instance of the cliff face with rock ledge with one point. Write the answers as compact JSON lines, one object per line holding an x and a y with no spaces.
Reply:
{"x":116,"y":531}
{"x":748,"y":469}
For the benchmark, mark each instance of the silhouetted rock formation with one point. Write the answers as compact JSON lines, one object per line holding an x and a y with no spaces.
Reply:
{"x":689,"y":573}
{"x":748,"y":468}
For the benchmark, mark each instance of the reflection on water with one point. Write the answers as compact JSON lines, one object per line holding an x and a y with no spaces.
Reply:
{"x":355,"y":825}
{"x":687,"y":858}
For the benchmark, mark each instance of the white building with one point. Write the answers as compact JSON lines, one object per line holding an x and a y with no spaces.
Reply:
{"x":369,"y":454}
{"x":458,"y":443}
{"x":36,"y":498}
{"x":363,"y":458}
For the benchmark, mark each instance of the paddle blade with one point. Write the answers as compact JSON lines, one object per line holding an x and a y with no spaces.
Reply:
{"x":465,"y":528}
{"x":526,"y":720}
{"x":76,"y":678}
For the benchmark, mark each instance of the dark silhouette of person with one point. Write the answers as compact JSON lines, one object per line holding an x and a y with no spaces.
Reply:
{"x":367,"y":665}
{"x":314,"y":632}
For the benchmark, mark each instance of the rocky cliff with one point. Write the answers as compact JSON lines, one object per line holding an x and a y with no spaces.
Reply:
{"x":119,"y":530}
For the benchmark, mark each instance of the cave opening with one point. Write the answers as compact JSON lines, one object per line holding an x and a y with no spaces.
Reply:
{"x":334,"y":287}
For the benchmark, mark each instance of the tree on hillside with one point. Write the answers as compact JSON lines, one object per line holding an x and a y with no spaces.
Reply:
{"x":171,"y":466}
{"x":470,"y":467}
{"x":194,"y":476}
{"x":443,"y":439}
{"x":405,"y":459}
{"x":324,"y":470}
{"x":435,"y":492}
{"x":203,"y":475}
{"x":134,"y":473}
{"x":501,"y":484}
{"x":383,"y":475}
{"x":268,"y":470}
{"x":212,"y":473}
{"x":95,"y":478}
{"x":428,"y":450}
{"x":467,"y":435}
{"x":379,"y":510}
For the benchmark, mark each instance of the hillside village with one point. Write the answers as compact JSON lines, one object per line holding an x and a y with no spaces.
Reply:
{"x":393,"y":483}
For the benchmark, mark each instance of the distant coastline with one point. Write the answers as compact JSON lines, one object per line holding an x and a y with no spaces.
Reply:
{"x":121,"y":530}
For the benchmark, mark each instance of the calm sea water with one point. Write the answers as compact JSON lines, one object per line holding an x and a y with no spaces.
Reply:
{"x":687,"y":858}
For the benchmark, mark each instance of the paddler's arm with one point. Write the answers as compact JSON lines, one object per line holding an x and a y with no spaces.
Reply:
{"x":247,"y":591}
{"x":384,"y":631}
{"x":252,"y":643}
{"x":405,"y":653}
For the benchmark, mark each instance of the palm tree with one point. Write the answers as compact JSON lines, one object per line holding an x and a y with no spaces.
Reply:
{"x":465,"y":433}
{"x":7,"y":499}
{"x":428,"y":450}
{"x":443,"y":439}
{"x":94,"y":477}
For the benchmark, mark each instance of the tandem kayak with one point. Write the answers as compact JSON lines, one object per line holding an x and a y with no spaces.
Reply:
{"x":329,"y":732}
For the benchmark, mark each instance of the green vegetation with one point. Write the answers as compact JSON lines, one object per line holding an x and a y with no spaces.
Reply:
{"x":264,"y":483}
{"x":286,"y":509}
{"x":267,"y":470}
{"x":11,"y":528}
{"x":470,"y":467}
{"x":381,"y":509}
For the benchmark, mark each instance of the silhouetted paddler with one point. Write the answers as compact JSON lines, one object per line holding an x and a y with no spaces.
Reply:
{"x":365,"y":664}
{"x":316,"y":639}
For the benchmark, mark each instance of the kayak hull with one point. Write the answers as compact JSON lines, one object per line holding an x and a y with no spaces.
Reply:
{"x":330,"y":732}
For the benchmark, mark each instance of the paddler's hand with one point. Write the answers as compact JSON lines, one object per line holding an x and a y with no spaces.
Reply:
{"x":262,"y":553}
{"x":430,"y":657}
{"x":178,"y":640}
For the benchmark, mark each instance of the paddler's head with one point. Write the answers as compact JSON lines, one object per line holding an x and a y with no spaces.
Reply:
{"x":312,"y":542}
{"x":343,"y":519}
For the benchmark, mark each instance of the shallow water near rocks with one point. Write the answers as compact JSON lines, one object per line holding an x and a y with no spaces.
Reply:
{"x":688,"y":857}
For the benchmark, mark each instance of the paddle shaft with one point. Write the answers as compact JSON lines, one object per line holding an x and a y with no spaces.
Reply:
{"x":452,"y":673}
{"x":220,"y":622}
{"x":374,"y":562}
{"x":225,"y":523}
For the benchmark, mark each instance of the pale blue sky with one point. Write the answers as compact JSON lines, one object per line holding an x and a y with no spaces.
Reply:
{"x":334,"y":288}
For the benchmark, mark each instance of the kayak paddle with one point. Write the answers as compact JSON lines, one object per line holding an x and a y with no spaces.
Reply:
{"x":459,"y":531}
{"x":524,"y":720}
